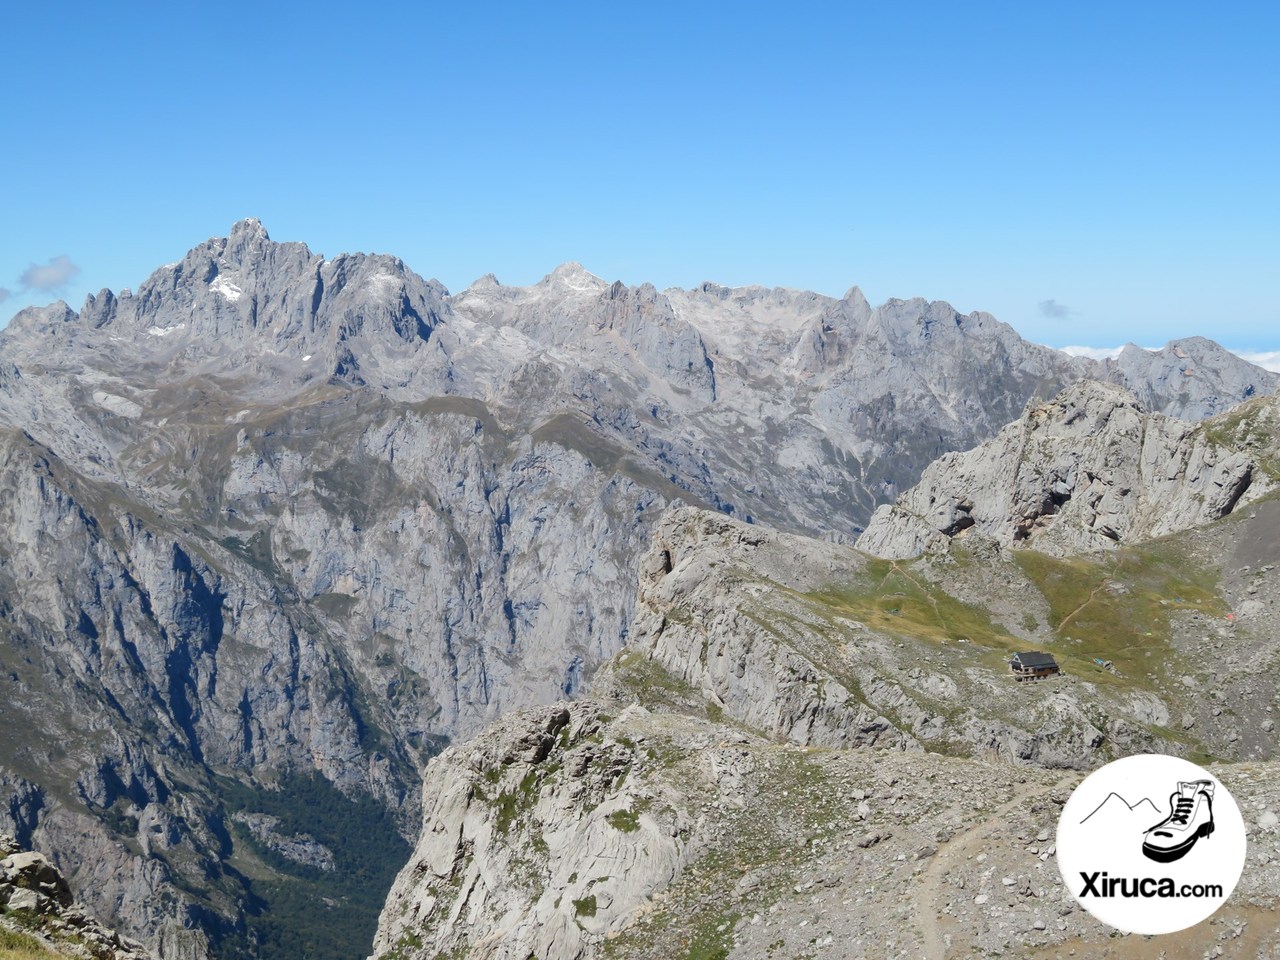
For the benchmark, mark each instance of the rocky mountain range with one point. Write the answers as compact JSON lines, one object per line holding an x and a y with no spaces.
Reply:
{"x":810,"y":752}
{"x":278,"y":528}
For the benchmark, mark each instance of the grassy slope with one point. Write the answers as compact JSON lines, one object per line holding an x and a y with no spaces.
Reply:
{"x":19,"y":946}
{"x":1113,"y":607}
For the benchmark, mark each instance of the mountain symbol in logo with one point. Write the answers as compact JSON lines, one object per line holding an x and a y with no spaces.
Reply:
{"x":1190,"y":818}
{"x":1116,"y":807}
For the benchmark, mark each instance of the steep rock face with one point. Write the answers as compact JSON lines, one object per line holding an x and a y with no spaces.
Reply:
{"x":1190,"y":379}
{"x":704,"y":822}
{"x":542,"y":837}
{"x":275,"y":516}
{"x":1085,"y":471}
{"x":281,"y":644}
{"x":785,"y":837}
{"x":135,"y":665}
{"x":739,"y":394}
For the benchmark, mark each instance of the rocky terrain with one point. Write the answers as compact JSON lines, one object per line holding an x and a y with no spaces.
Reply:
{"x":719,"y":843}
{"x":784,"y":765}
{"x":1087,"y":470}
{"x":40,"y":919}
{"x":277,"y":528}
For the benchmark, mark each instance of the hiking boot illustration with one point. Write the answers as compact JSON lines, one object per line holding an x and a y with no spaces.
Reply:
{"x":1190,"y":818}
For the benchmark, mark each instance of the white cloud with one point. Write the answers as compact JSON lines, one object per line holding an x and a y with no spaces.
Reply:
{"x":5,"y":294}
{"x":1267,"y":359}
{"x":1098,"y":353}
{"x":47,"y":277}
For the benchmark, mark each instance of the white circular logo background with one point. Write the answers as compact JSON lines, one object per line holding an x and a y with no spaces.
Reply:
{"x":1151,"y":844}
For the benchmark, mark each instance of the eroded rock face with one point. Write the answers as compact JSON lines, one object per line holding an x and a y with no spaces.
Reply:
{"x":274,"y":514}
{"x":757,"y":622}
{"x":38,"y":904}
{"x":542,"y":837}
{"x":766,"y":831}
{"x":947,"y":856}
{"x":779,"y":737}
{"x":1086,"y":471}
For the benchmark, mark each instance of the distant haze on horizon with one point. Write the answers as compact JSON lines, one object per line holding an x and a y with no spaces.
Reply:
{"x":1091,"y":175}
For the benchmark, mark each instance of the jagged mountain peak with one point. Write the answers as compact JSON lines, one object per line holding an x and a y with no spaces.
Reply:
{"x":271,"y":316}
{"x":342,"y":515}
{"x":574,"y":276}
{"x":856,"y":297}
{"x":249,"y":228}
{"x":1192,"y":377}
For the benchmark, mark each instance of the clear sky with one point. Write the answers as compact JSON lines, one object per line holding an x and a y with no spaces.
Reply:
{"x":1091,"y":173}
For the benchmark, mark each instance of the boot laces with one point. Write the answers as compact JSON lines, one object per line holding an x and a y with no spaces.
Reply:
{"x":1183,"y":810}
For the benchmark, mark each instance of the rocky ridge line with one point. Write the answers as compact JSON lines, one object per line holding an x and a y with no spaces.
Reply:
{"x":1088,"y":470}
{"x":277,"y":514}
{"x":742,"y":786}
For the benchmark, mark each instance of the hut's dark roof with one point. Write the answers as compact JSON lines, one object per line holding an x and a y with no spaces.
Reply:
{"x":1035,"y":658}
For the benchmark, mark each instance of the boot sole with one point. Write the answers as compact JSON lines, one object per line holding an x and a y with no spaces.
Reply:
{"x":1169,"y":854}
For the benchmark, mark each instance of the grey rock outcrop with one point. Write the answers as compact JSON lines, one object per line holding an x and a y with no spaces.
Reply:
{"x":1190,"y":379}
{"x":542,"y":837}
{"x":298,"y":847}
{"x":708,"y":797}
{"x":1087,"y":470}
{"x":37,"y":906}
{"x":774,"y":629}
{"x":275,"y":515}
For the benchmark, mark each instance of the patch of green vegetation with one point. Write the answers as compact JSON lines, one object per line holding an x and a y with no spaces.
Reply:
{"x":1247,"y":428}
{"x":336,"y":605}
{"x":889,"y":597}
{"x":19,"y":946}
{"x":116,"y":817}
{"x":627,"y":821}
{"x":23,"y":918}
{"x":711,"y":940}
{"x":513,"y":804}
{"x":1118,"y":606}
{"x":652,"y":685}
{"x":586,"y":907}
{"x":697,"y":918}
{"x":304,"y":913}
{"x":407,"y":946}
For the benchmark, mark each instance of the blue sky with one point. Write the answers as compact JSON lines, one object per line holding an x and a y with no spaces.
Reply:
{"x":1090,"y":173}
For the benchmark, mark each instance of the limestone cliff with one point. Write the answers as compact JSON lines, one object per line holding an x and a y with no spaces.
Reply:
{"x":807,"y":750}
{"x":277,"y":527}
{"x":1087,"y":470}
